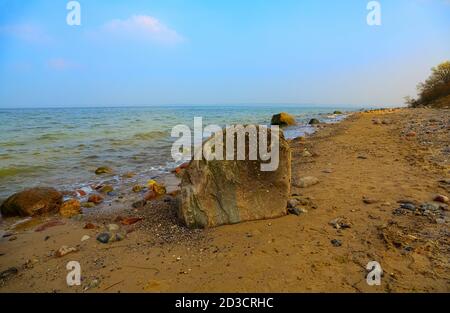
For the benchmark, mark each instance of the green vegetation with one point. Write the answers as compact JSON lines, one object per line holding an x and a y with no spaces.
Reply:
{"x":435,"y":91}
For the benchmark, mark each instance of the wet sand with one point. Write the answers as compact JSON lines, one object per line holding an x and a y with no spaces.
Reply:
{"x":365,"y":166}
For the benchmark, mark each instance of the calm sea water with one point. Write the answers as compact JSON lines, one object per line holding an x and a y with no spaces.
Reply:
{"x":63,"y":147}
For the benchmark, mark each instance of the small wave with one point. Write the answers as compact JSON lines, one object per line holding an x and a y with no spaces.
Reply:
{"x":13,"y":171}
{"x":151,"y":135}
{"x":51,"y":137}
{"x":11,"y":144}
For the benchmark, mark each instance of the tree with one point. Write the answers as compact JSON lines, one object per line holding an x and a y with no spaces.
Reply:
{"x":435,"y":87}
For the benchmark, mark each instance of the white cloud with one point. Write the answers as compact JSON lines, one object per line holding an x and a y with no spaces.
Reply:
{"x":26,"y":32}
{"x":142,"y":28}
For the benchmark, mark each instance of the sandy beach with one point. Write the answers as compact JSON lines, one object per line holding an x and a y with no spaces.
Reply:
{"x":370,"y":167}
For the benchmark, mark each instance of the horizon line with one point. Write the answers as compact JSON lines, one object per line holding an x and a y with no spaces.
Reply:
{"x":96,"y":106}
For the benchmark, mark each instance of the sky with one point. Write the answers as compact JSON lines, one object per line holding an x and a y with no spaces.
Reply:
{"x":210,"y":52}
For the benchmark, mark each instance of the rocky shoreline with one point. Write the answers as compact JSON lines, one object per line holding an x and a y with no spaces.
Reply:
{"x":372,"y":187}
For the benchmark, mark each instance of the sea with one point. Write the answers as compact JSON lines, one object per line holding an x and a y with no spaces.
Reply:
{"x":62,"y":147}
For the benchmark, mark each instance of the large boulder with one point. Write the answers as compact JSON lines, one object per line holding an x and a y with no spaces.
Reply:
{"x":216,"y":192}
{"x":283,"y":119}
{"x":31,"y":202}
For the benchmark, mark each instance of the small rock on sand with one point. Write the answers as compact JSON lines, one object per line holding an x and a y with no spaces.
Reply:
{"x":64,"y":250}
{"x":113,"y":227}
{"x":103,"y":237}
{"x":368,"y":200}
{"x":292,"y":203}
{"x":441,"y":198}
{"x":106,"y":189}
{"x":340,"y":223}
{"x":305,"y":182}
{"x":96,"y":199}
{"x":294,"y":211}
{"x":336,"y":243}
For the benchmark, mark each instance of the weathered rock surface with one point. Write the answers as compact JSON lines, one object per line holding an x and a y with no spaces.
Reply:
{"x":216,"y":192}
{"x":283,"y":119}
{"x":30,"y":202}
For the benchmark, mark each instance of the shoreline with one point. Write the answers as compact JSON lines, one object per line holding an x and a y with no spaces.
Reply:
{"x":356,"y":161}
{"x":145,"y":156}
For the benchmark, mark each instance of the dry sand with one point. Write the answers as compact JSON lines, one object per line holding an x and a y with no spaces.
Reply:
{"x":384,"y":156}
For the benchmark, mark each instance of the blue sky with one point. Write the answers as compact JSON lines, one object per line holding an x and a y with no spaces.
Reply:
{"x":172,"y":52}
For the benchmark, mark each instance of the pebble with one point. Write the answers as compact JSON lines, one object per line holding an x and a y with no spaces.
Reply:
{"x":64,"y":250}
{"x":112,"y":193}
{"x":85,"y":237}
{"x":336,"y":243}
{"x":305,"y":182}
{"x":408,"y":206}
{"x":339,"y":223}
{"x":96,"y":199}
{"x":306,"y":153}
{"x":440,"y":221}
{"x":106,"y":189}
{"x":292,"y":203}
{"x":294,"y":211}
{"x":113,"y":227}
{"x":103,"y":237}
{"x":441,"y":198}
{"x":368,"y":200}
